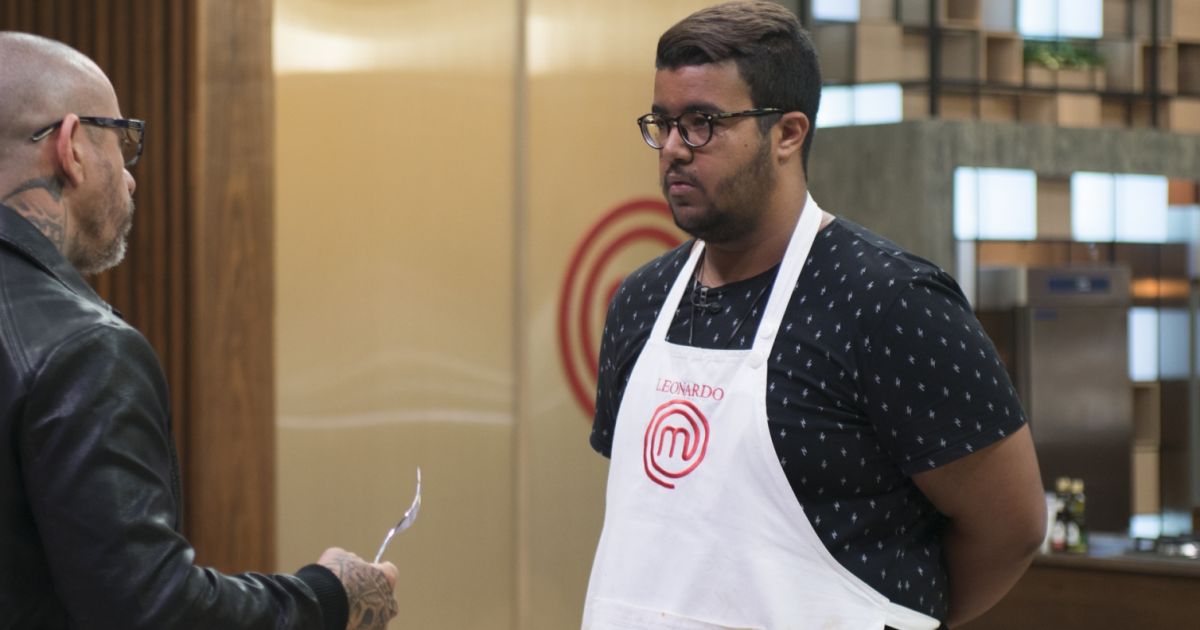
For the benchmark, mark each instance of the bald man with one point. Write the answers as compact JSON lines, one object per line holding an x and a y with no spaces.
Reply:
{"x":89,"y":481}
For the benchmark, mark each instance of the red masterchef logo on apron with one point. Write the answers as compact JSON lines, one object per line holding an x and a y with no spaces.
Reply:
{"x":675,"y":443}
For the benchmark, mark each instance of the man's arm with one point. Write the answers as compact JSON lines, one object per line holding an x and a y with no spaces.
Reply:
{"x":997,"y":510}
{"x":96,"y":459}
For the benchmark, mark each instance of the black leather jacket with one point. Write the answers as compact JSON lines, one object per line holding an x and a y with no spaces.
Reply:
{"x":89,"y":482}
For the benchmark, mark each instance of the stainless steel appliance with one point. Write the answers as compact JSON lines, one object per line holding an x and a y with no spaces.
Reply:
{"x":1187,"y":546}
{"x":1066,"y":332}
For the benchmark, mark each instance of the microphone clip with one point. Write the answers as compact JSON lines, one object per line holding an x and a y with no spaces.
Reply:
{"x":700,"y":300}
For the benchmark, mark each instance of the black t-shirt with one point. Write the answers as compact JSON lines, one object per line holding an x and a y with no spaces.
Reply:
{"x":880,"y":371}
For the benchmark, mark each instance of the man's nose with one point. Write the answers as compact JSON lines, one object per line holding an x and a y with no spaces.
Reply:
{"x":130,"y":182}
{"x":674,"y":148}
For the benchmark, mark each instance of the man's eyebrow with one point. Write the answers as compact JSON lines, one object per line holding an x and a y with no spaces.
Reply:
{"x":696,"y":106}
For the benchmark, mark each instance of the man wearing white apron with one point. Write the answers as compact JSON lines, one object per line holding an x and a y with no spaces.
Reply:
{"x":807,"y":427}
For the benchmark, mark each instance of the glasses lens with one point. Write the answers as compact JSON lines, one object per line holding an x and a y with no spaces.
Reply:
{"x":696,"y":128}
{"x":131,"y":142}
{"x":655,"y":129}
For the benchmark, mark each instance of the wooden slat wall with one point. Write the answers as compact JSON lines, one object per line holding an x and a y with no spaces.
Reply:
{"x":198,"y":278}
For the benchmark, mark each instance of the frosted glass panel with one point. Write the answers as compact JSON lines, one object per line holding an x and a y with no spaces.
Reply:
{"x":878,"y":103}
{"x":1060,"y":18}
{"x":837,"y":107}
{"x":966,"y":203}
{"x":1145,"y":526}
{"x":1007,"y":204}
{"x":1143,"y":344}
{"x":1038,"y":18}
{"x":1173,"y":343}
{"x":1141,"y":202}
{"x":965,"y":274}
{"x":1078,"y":18}
{"x":1183,"y":226}
{"x":835,"y":10}
{"x":866,"y":104}
{"x":1092,"y":211}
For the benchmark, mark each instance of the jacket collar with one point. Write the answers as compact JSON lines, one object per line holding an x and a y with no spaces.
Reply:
{"x":19,"y":234}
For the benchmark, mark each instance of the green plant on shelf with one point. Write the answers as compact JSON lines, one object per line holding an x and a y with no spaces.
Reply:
{"x":1061,"y":55}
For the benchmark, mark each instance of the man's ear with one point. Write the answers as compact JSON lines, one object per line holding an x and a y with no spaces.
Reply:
{"x":794,"y":127}
{"x":68,"y":150}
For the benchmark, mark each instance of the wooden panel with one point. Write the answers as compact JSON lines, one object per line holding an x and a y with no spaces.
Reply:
{"x":961,"y":55}
{"x":1116,"y":18}
{"x":1068,"y":599}
{"x":232,"y":282}
{"x":1114,"y":112}
{"x":1184,"y":20}
{"x":998,"y":107}
{"x":1183,"y":114}
{"x":1054,"y":208}
{"x":200,"y":290}
{"x":860,"y":52}
{"x":959,"y":13}
{"x":1188,"y":64}
{"x":1062,"y":109}
{"x":1003,"y":59}
{"x":1168,"y":68}
{"x":1182,"y":192}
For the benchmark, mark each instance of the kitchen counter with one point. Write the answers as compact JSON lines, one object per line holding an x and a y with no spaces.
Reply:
{"x":1109,"y":552}
{"x":1112,"y":586}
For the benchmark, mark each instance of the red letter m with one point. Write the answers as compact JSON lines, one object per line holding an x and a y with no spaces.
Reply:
{"x":675,"y":432}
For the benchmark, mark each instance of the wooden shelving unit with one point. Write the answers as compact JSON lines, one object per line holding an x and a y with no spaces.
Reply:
{"x":860,"y":52}
{"x":1063,"y":109}
{"x":952,"y":13}
{"x":1188,"y":65}
{"x":1003,"y":58}
{"x":1150,"y":76}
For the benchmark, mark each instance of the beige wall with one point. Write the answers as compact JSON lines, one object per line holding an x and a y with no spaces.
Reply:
{"x":439,"y":166}
{"x":591,"y":72}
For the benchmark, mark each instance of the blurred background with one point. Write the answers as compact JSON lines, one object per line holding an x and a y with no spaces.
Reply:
{"x":380,"y":234}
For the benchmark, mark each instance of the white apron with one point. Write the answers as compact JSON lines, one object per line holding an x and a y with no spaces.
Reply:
{"x":701,"y":528}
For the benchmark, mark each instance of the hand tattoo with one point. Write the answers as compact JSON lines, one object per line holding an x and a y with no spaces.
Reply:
{"x":372,"y":604}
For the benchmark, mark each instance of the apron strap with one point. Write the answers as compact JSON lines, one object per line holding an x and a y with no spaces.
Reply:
{"x":666,"y":313}
{"x":789,"y":272}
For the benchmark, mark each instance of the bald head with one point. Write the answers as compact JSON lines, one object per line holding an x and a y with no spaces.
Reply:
{"x":41,"y":81}
{"x":71,"y":184}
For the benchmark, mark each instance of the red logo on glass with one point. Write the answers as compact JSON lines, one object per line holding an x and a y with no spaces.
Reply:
{"x":621,"y":241}
{"x":675,"y":443}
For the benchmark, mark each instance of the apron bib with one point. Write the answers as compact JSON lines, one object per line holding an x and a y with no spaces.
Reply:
{"x":701,"y":529}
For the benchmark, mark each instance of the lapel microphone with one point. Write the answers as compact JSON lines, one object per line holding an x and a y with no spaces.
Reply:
{"x":700,"y":300}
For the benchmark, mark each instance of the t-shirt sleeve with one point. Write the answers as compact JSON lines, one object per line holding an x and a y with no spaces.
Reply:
{"x":935,"y":386}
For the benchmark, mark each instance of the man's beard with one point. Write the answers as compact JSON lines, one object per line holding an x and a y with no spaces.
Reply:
{"x":93,"y":254}
{"x":737,"y":203}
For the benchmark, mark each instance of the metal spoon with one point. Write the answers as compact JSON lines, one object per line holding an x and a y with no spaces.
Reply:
{"x":406,"y":521}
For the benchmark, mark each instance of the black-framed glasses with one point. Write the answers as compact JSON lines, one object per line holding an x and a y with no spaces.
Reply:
{"x":696,"y":128}
{"x":133,"y":133}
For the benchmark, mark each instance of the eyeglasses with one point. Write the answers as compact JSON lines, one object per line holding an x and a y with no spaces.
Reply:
{"x":695,"y":128}
{"x":132,"y":131}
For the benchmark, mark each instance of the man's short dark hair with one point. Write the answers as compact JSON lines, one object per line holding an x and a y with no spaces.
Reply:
{"x":774,"y":55}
